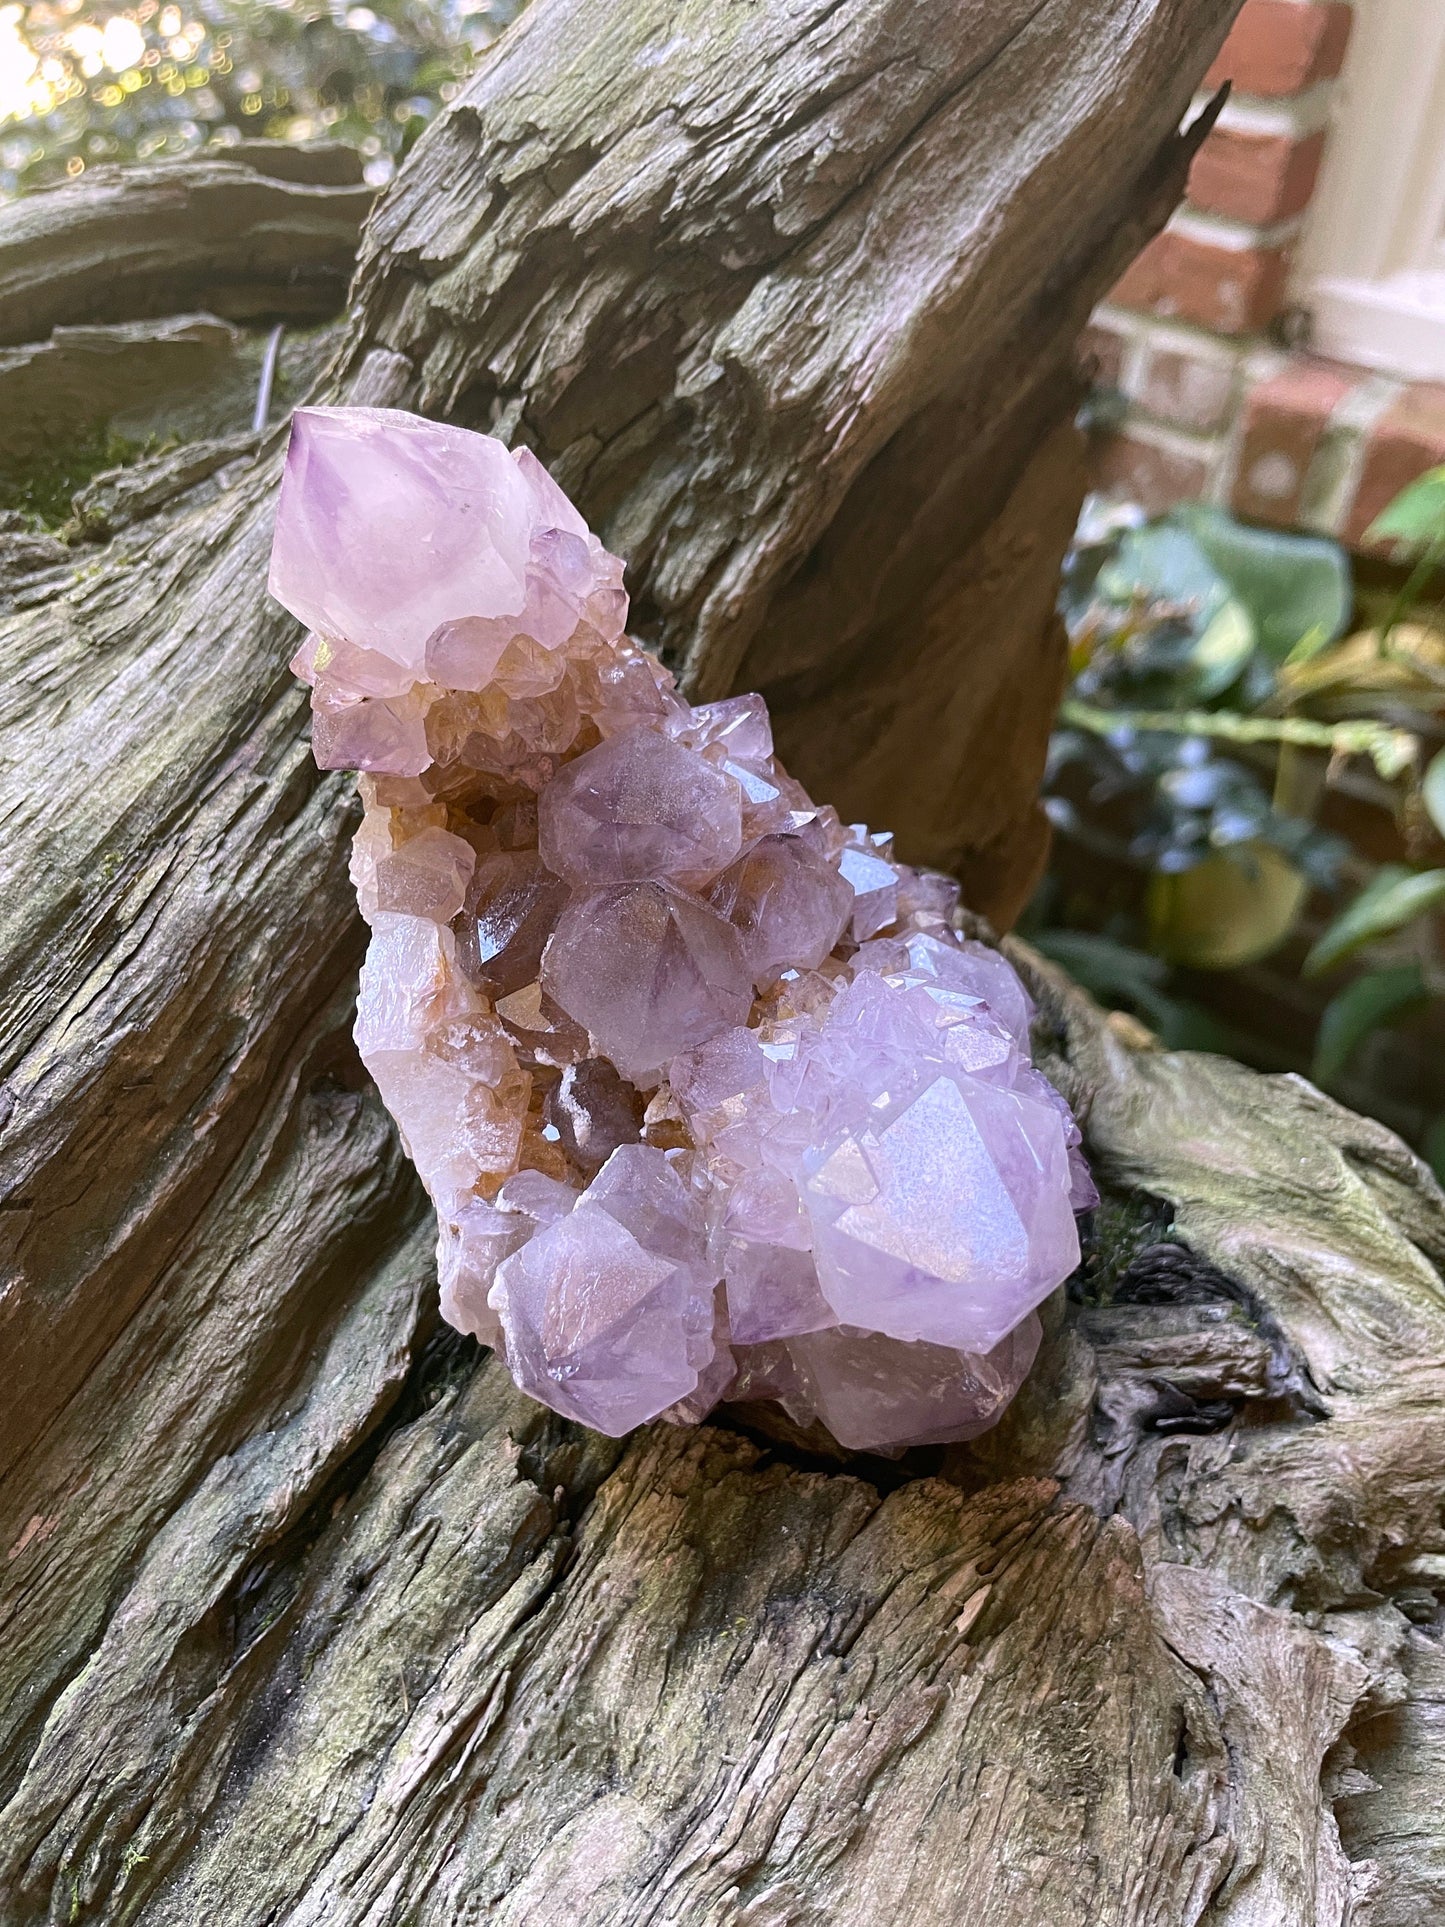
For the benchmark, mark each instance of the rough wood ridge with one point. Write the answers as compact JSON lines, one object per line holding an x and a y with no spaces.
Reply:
{"x":787,"y":295}
{"x":305,"y":1617}
{"x":264,"y":231}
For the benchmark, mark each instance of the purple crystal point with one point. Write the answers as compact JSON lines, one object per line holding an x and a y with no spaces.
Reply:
{"x":789,"y":906}
{"x":385,"y":734}
{"x":511,"y":909}
{"x":710,"y":1095}
{"x":946,"y":1218}
{"x":873,"y":881}
{"x":594,"y":1112}
{"x":427,"y":876}
{"x":883,"y":1395}
{"x":717,"y":1377}
{"x":772,"y":1291}
{"x":639,"y":1186}
{"x":597,"y":1326}
{"x":648,"y":971}
{"x":443,"y":1064}
{"x":738,"y":725}
{"x":469,"y":1249}
{"x":389,"y":526}
{"x":639,"y":806}
{"x":532,"y":1194}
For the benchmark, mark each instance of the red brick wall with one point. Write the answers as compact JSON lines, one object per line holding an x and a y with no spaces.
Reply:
{"x":1259,"y":178}
{"x":1192,"y":335}
{"x":1188,"y":277}
{"x":1253,"y":176}
{"x":1282,"y":46}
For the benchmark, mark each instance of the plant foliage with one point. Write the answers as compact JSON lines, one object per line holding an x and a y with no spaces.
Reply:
{"x":83,"y":83}
{"x":1217,"y":693}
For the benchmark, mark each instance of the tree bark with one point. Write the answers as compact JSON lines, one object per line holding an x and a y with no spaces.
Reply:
{"x":305,"y":1615}
{"x":124,"y":243}
{"x":787,"y":297}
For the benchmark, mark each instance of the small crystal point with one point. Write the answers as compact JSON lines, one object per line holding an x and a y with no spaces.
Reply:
{"x":946,"y":1221}
{"x":470,"y":1246}
{"x":427,"y":876}
{"x":595,"y":1112}
{"x":639,"y":806}
{"x":772,"y":1291}
{"x":881,"y":1394}
{"x":383,"y":734}
{"x":648,"y":971}
{"x":596,"y":1326}
{"x":788,"y":904}
{"x":711,"y":1097}
{"x":874,"y":883}
{"x":508,"y":913}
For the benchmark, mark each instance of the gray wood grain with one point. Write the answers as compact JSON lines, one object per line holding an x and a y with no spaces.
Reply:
{"x":159,"y":237}
{"x":787,"y":296}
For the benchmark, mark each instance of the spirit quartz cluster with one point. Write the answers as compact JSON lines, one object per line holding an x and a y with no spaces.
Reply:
{"x":711,"y":1098}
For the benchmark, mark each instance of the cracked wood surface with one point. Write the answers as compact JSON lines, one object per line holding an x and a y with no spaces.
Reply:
{"x":267,"y":231}
{"x":307,"y":1617}
{"x":787,"y":296}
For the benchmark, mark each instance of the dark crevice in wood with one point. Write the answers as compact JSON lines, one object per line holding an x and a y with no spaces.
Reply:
{"x":444,"y":1360}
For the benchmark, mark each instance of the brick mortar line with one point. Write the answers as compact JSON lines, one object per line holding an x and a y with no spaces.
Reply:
{"x":1293,"y":117}
{"x":1238,"y":237}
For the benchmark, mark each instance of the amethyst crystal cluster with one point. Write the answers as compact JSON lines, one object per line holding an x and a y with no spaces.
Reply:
{"x":711,"y":1098}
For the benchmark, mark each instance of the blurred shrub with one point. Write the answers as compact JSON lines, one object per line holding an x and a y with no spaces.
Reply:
{"x":82,"y":83}
{"x":1218,"y":694}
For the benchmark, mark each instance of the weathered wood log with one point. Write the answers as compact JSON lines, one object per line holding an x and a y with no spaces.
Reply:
{"x":269,"y":231}
{"x":305,"y":1615}
{"x":787,"y":297}
{"x":80,"y":376}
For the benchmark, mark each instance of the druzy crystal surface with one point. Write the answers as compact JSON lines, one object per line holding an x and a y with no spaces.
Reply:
{"x":712,"y":1097}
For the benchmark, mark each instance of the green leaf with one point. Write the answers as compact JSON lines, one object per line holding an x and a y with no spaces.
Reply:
{"x":1363,"y":1006}
{"x":1162,"y":563}
{"x":1415,"y":520}
{"x":1104,"y":968}
{"x":1395,"y":897}
{"x":1232,"y":909}
{"x":1224,"y":647}
{"x":1309,"y":646}
{"x":1432,"y":791}
{"x":1185,"y":1025}
{"x":1121,"y":977}
{"x":1297,"y":589}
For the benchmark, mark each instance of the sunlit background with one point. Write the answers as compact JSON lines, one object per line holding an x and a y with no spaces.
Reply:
{"x":82,"y":84}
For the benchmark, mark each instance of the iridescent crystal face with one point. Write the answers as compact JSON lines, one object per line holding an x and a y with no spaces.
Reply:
{"x":711,"y":1097}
